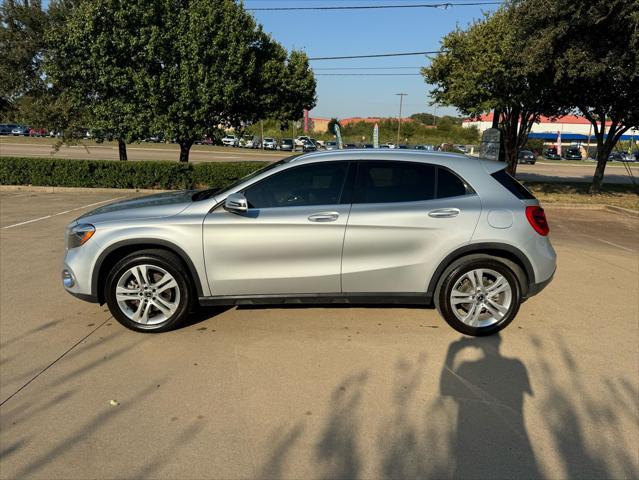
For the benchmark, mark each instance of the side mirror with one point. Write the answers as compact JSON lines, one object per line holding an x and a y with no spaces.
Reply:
{"x":236,"y":203}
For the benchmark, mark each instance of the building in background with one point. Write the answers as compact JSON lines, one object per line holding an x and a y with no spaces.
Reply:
{"x":573,"y":129}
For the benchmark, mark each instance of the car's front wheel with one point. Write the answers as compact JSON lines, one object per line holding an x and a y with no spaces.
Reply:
{"x":479,"y":295}
{"x":148,"y":291}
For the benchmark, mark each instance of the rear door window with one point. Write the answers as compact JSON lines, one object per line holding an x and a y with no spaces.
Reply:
{"x":392,"y":182}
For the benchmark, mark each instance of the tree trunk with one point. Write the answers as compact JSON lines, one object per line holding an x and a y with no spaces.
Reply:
{"x":597,"y":179}
{"x":122,"y":149}
{"x":185,"y":148}
{"x":509,"y":134}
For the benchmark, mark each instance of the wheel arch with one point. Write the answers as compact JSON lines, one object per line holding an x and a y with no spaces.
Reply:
{"x":113,"y":253}
{"x":500,"y":250}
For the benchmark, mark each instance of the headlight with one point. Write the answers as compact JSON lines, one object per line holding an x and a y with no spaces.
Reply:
{"x":79,"y":235}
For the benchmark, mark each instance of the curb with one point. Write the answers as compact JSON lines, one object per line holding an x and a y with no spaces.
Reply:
{"x":38,"y":189}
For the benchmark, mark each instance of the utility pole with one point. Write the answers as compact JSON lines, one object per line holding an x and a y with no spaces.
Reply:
{"x":399,"y":123}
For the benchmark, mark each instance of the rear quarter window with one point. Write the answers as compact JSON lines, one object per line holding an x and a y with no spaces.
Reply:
{"x":449,"y":184}
{"x":512,"y":185}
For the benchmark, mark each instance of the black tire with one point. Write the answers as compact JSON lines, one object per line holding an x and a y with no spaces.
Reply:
{"x":159,"y":258}
{"x":510,"y":271}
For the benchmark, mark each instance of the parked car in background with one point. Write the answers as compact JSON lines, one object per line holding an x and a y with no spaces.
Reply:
{"x":157,"y":138}
{"x":551,"y":154}
{"x":299,"y":141}
{"x":331,"y":145}
{"x":616,"y":157}
{"x":7,"y":128}
{"x":230,"y":141}
{"x":308,"y":146}
{"x":317,"y":144}
{"x":572,"y":153}
{"x":426,"y":147}
{"x":299,"y":230}
{"x":250,"y":141}
{"x":287,"y":144}
{"x":20,"y":131}
{"x":526,"y":156}
{"x":270,"y":143}
{"x":37,"y":132}
{"x":462,"y":148}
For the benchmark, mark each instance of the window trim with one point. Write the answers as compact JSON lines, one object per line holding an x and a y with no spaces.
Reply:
{"x":469,"y":189}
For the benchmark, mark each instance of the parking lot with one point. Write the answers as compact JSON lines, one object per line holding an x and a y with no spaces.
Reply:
{"x":319,"y":392}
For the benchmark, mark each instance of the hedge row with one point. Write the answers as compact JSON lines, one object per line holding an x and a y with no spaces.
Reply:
{"x":58,"y":172}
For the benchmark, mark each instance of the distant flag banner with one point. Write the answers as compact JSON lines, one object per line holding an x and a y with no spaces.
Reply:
{"x":559,"y":143}
{"x":376,"y":136}
{"x":338,"y":133}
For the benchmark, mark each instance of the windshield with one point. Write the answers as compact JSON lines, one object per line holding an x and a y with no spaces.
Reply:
{"x":208,"y":193}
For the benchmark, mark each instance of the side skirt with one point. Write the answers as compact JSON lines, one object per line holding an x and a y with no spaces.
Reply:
{"x":320,"y":299}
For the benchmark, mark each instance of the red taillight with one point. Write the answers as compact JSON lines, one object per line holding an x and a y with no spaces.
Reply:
{"x":537,"y":219}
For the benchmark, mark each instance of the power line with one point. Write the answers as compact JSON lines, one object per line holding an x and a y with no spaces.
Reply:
{"x":374,"y":7}
{"x":433,"y":52}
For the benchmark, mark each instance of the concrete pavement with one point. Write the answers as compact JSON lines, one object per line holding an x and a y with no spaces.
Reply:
{"x":319,"y":392}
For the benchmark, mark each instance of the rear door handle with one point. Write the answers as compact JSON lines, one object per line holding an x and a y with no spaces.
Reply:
{"x":444,"y":213}
{"x":324,"y":217}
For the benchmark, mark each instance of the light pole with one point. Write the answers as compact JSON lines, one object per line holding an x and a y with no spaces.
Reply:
{"x":399,"y":123}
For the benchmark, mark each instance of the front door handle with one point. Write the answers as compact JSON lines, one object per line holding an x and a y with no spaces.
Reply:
{"x":324,"y":217}
{"x":444,"y":213}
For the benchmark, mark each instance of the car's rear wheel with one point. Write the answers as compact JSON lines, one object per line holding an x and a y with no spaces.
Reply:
{"x":148,"y":291}
{"x":479,"y":296}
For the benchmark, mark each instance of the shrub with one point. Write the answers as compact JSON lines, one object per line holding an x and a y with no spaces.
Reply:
{"x":58,"y":172}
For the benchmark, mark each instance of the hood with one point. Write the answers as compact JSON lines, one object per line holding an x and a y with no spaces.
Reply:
{"x":149,"y":206}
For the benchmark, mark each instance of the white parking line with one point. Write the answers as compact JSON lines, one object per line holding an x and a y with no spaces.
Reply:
{"x":616,"y":245}
{"x":62,"y":213}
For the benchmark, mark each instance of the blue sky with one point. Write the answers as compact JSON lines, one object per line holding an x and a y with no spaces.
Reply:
{"x":361,"y":32}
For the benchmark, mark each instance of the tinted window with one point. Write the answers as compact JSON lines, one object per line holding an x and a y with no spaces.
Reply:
{"x":388,"y":182}
{"x":513,"y":186}
{"x":316,"y":184}
{"x":449,"y":184}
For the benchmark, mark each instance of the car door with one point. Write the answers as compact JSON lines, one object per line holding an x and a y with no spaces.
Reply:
{"x":290,"y":240}
{"x":404,"y":219}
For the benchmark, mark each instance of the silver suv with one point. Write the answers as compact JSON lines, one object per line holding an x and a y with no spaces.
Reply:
{"x":356,"y":226}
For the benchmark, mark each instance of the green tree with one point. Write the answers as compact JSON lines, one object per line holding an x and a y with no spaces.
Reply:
{"x":22,"y":26}
{"x":96,"y":65}
{"x":589,"y":49}
{"x":481,"y":69}
{"x":211,"y":66}
{"x":25,"y":93}
{"x":425,"y":118}
{"x":331,"y":125}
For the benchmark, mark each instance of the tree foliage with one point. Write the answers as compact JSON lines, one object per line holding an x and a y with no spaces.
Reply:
{"x":183,"y":68}
{"x":589,"y":50}
{"x":482,"y":68}
{"x":212,"y":66}
{"x":331,"y":125}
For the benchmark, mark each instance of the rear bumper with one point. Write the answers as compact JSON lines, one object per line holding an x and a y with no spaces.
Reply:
{"x":535,"y":288}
